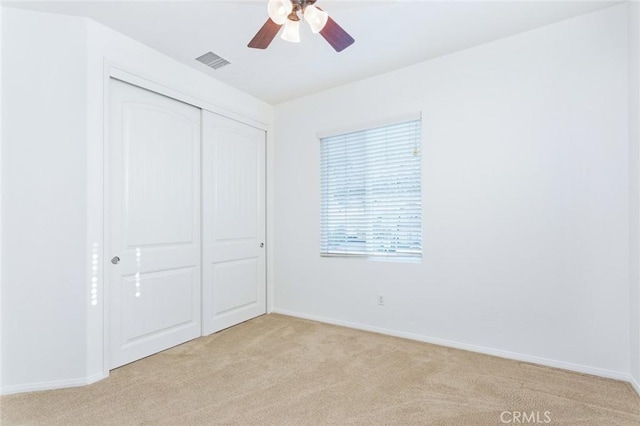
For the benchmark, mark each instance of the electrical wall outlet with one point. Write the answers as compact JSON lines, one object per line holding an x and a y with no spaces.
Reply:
{"x":380,"y":300}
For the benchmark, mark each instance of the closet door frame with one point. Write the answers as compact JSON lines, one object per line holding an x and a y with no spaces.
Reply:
{"x":97,"y":212}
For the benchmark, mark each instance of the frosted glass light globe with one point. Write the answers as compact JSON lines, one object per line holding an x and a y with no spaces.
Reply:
{"x":316,"y":18}
{"x":279,"y":10}
{"x":291,"y":31}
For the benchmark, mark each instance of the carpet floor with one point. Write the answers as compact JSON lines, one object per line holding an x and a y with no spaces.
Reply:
{"x":278,"y":370}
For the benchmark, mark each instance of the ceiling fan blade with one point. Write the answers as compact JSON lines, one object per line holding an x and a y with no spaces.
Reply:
{"x":336,"y":36}
{"x":267,"y":33}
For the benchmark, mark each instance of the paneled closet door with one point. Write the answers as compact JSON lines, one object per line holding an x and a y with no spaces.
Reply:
{"x":233,"y":221}
{"x":153,"y":223}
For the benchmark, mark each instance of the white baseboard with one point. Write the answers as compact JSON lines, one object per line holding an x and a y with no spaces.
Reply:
{"x":56,"y":384}
{"x":59,"y":384}
{"x":634,"y":384}
{"x":473,"y":348}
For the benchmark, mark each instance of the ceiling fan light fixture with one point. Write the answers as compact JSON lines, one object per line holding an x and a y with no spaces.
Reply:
{"x":279,"y":10}
{"x":291,"y":31}
{"x":285,"y":13}
{"x":316,"y":18}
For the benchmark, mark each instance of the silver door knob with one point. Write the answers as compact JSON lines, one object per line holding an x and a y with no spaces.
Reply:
{"x":115,"y":260}
{"x":261,"y":245}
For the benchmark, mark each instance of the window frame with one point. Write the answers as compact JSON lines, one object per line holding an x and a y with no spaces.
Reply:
{"x":370,"y":126}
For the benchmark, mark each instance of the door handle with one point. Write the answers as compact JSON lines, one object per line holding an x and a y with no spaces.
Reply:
{"x":261,"y":245}
{"x":115,"y":260}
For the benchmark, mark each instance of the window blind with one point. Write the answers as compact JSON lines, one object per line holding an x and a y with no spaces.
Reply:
{"x":371,"y":192}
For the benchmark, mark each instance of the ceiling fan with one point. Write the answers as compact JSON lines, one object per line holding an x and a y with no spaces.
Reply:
{"x":285,"y":12}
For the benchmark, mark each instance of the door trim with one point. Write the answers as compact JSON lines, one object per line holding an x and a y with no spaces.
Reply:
{"x":102,"y":303}
{"x":127,"y":77}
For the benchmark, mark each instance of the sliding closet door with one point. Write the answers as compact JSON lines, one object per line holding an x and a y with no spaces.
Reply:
{"x":153,"y":223}
{"x":233,"y":198}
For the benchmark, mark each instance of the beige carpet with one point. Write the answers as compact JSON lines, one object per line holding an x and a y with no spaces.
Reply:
{"x":277,"y":370}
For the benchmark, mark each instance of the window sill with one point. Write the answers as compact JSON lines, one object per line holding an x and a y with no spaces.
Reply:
{"x":392,"y":259}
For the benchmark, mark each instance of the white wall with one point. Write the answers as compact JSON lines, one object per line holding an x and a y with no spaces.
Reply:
{"x":43,"y":199}
{"x":634,"y":187}
{"x":52,"y":144}
{"x":525,"y":200}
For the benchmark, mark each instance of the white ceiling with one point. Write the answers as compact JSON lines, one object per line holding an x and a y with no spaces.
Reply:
{"x":389,"y":35}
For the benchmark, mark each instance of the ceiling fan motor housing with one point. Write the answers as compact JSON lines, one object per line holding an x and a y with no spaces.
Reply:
{"x":299,"y":5}
{"x":302,"y":4}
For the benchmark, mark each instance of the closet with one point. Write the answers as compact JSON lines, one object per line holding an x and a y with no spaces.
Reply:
{"x":184,"y":222}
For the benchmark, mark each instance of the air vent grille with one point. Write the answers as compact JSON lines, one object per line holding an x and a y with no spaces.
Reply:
{"x":212,"y":60}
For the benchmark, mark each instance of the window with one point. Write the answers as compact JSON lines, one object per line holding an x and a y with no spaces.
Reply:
{"x":371,"y":192}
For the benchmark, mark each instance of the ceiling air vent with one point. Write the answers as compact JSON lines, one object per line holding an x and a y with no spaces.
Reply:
{"x":212,"y":60}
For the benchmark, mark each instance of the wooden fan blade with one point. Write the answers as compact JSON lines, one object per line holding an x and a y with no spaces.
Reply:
{"x":336,"y":36}
{"x":267,"y":33}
